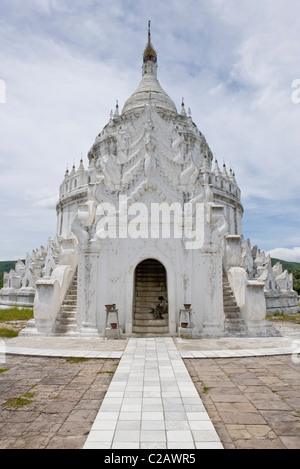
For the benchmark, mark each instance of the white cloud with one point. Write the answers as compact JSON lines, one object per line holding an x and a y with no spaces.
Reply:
{"x":65,"y":64}
{"x":292,"y":255}
{"x":44,"y":198}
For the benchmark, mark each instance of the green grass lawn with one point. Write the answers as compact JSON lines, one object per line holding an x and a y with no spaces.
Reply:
{"x":4,"y":332}
{"x":295,"y":318}
{"x":15,"y":314}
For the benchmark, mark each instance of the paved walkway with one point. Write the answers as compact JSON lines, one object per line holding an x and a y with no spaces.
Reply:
{"x":152,"y":401}
{"x":62,"y":353}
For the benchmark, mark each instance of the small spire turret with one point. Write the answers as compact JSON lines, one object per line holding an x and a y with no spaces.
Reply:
{"x":232,"y":176}
{"x":81,"y":167}
{"x":205,"y":165}
{"x":216,"y":169}
{"x":183,"y":113}
{"x":116,"y":114}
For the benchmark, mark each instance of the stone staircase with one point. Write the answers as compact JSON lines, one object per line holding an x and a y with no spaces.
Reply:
{"x":66,"y":323}
{"x":234,"y":325}
{"x":150,"y":283}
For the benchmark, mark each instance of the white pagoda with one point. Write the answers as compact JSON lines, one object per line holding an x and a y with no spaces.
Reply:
{"x":154,"y":216}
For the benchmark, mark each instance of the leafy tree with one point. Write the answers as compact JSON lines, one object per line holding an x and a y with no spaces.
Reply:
{"x":297,"y":281}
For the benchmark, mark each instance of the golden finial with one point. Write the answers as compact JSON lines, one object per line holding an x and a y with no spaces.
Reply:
{"x":149,"y":52}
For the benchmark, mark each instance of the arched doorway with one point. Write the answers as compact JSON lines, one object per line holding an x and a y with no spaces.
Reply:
{"x":150,"y":282}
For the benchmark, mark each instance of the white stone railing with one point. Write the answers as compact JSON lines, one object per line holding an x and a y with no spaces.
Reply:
{"x":49,"y":296}
{"x":50,"y":292}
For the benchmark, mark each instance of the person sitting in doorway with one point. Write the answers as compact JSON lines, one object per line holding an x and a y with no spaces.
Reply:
{"x":161,"y":308}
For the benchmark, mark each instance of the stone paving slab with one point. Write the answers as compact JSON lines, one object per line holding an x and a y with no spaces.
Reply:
{"x":152,"y":403}
{"x":253,"y":403}
{"x":76,"y":343}
{"x":290,"y":333}
{"x":39,"y":352}
{"x":193,"y":348}
{"x":158,"y":411}
{"x":237,"y":353}
{"x":50,"y":403}
{"x":28,"y":427}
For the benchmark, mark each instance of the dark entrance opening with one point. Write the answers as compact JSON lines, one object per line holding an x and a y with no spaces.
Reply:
{"x":150,"y":282}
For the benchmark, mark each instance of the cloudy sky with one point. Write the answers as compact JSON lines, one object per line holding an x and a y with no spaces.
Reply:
{"x":65,"y":62}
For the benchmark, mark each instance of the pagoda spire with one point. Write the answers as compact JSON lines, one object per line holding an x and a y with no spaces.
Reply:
{"x":149,"y":57}
{"x":149,"y":90}
{"x":149,"y":52}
